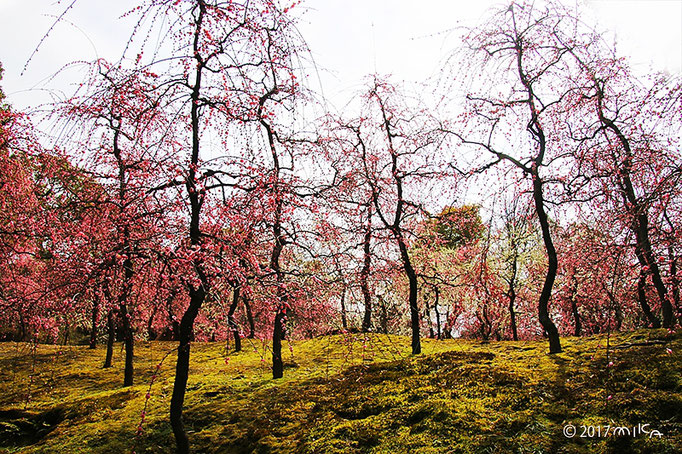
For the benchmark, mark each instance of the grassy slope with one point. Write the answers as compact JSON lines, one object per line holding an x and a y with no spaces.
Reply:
{"x":345,"y":394}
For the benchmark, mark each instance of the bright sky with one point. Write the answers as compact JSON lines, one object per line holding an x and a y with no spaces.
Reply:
{"x":349,"y":38}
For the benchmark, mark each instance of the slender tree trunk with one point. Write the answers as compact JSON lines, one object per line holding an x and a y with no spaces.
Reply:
{"x":126,"y":245}
{"x":249,"y":317}
{"x":618,"y":313}
{"x":364,"y":274}
{"x":654,"y":270}
{"x":197,"y":295}
{"x":574,"y":307}
{"x":511,"y":293}
{"x":512,"y":316}
{"x":674,"y":280}
{"x":344,"y":317}
{"x":427,"y":314}
{"x":576,"y":318}
{"x":435,"y":308}
{"x":126,"y":324}
{"x":151,"y":335}
{"x":414,"y":308}
{"x":279,"y":331}
{"x":395,"y":228}
{"x":535,"y":128}
{"x":543,"y":313}
{"x":384,"y":316}
{"x":185,"y":336}
{"x":640,"y":217}
{"x":111,"y":336}
{"x":23,"y":331}
{"x":447,"y":328}
{"x":232,"y":325}
{"x":616,"y":307}
{"x":95,"y":322}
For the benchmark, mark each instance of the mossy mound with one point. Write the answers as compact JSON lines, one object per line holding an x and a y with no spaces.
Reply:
{"x":355,"y":394}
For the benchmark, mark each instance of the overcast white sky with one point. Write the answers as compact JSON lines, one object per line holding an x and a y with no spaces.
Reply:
{"x":348,"y":38}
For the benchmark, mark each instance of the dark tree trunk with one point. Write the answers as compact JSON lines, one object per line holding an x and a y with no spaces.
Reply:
{"x":22,"y":327}
{"x":447,"y":329}
{"x":364,"y":274}
{"x":384,"y":316}
{"x":151,"y":333}
{"x":674,"y":280}
{"x":249,"y":318}
{"x":185,"y":336}
{"x":574,"y":307}
{"x":277,"y":336}
{"x":435,"y":308}
{"x":543,"y":313}
{"x":414,"y":307}
{"x":395,"y":226}
{"x":279,"y":331}
{"x":427,"y":312}
{"x":126,"y":324}
{"x":641,"y":297}
{"x":94,"y":322}
{"x":511,"y":292}
{"x":618,"y":313}
{"x":645,"y":247}
{"x":576,"y":318}
{"x":640,"y":216}
{"x":126,"y":245}
{"x":616,"y":307}
{"x":111,"y":336}
{"x":232,"y":325}
{"x":535,"y":128}
{"x":344,"y":316}
{"x":512,"y":316}
{"x":197,"y":295}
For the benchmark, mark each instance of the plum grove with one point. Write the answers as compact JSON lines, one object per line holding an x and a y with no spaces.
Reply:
{"x":194,"y":192}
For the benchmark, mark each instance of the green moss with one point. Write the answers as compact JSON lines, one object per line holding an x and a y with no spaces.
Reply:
{"x":338,"y":397}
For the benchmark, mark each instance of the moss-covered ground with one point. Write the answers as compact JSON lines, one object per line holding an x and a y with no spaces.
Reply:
{"x":353,"y":394}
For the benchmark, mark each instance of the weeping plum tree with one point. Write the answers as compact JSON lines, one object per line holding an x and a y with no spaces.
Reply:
{"x":628,"y":147}
{"x":352,"y":200}
{"x":119,"y":118}
{"x":514,"y":113}
{"x":221,"y":63}
{"x":397,"y":151}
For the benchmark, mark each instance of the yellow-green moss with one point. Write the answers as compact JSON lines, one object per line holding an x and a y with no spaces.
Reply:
{"x":350,"y":394}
